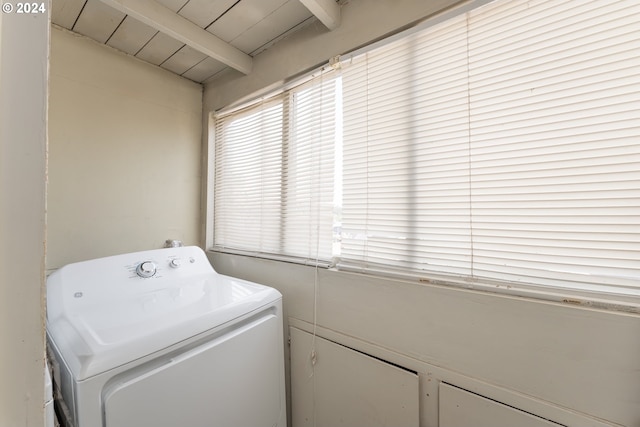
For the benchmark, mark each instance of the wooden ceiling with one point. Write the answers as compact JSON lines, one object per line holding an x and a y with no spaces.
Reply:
{"x":193,"y":38}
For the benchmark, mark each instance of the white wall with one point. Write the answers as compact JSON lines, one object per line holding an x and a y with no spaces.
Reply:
{"x":24,"y":45}
{"x":125,"y":153}
{"x":554,"y":357}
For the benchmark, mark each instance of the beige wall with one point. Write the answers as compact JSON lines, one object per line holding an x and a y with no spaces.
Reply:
{"x":24,"y":44}
{"x":125,"y":150}
{"x":578,"y":366}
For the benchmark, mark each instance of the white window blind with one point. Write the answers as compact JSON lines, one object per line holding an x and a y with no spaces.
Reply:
{"x":310,"y":169}
{"x":274,"y":179}
{"x":248,"y":178}
{"x":502,"y":144}
{"x":406,"y":145}
{"x":555,"y":139}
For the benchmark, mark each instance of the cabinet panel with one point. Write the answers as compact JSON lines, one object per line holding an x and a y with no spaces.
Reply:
{"x":348,"y":388}
{"x":460,"y":408}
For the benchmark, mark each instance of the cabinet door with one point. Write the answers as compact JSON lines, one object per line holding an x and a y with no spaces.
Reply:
{"x":460,"y":408}
{"x":348,"y":388}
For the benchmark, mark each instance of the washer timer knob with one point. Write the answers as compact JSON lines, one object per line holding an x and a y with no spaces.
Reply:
{"x":146,"y":269}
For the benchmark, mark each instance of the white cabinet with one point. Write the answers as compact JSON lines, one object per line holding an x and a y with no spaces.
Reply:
{"x":347,"y":388}
{"x":460,"y":408}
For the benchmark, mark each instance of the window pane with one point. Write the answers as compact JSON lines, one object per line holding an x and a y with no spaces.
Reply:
{"x":406,"y":145}
{"x":555,"y":97}
{"x":501,"y":144}
{"x":309,"y":213}
{"x":275,"y":168}
{"x":248,"y":162}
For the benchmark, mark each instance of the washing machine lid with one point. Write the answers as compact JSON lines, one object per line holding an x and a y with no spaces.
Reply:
{"x":102,"y":314}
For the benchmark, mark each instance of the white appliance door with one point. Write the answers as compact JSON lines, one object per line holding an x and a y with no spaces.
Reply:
{"x":233,"y":380}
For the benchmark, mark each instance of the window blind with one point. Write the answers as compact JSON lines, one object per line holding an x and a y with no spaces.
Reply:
{"x":555,"y":101}
{"x":310,"y":169}
{"x":275,"y":174}
{"x":406,"y":146}
{"x":502,"y":144}
{"x":248,"y":178}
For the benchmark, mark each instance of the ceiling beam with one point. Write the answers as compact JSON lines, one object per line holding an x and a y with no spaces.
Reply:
{"x":166,"y":21}
{"x":327,"y":11}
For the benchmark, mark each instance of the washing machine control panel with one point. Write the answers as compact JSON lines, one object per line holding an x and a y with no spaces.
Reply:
{"x":158,"y":267}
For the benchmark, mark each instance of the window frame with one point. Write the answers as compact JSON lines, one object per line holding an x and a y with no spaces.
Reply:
{"x":326,"y":75}
{"x":596,"y":297}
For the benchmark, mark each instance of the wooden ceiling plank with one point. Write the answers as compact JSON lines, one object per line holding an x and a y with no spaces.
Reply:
{"x":183,"y":60}
{"x":205,"y":69}
{"x":131,"y":36}
{"x":272,"y":27}
{"x":244,"y":15}
{"x":327,"y":11}
{"x":65,"y":12}
{"x":168,"y":22}
{"x":204,"y":12}
{"x":174,"y":5}
{"x":159,"y":48}
{"x":98,"y":21}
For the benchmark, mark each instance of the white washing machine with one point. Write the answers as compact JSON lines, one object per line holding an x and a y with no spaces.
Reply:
{"x":158,"y":338}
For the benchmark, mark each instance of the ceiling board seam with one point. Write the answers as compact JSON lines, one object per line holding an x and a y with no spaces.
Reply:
{"x":78,"y":17}
{"x":172,"y":55}
{"x":182,"y":7}
{"x":195,"y":65}
{"x":146,"y":43}
{"x":212,"y":76}
{"x":222,"y":14}
{"x":114,"y":31}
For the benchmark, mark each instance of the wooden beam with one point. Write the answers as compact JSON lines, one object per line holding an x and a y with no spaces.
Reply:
{"x":327,"y":11}
{"x":166,"y":21}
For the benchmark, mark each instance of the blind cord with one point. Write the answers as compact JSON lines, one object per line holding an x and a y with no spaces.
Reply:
{"x":313,"y":354}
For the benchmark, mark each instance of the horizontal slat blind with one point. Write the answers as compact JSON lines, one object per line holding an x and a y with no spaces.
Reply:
{"x":309,"y":205}
{"x":502,"y":144}
{"x":248,"y":177}
{"x":555,"y":137}
{"x":406,"y":146}
{"x":275,"y":174}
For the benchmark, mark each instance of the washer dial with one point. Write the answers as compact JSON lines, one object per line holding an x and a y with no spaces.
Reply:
{"x":146,"y":269}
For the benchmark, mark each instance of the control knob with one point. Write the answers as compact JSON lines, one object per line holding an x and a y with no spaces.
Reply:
{"x":146,"y":269}
{"x":175,"y":263}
